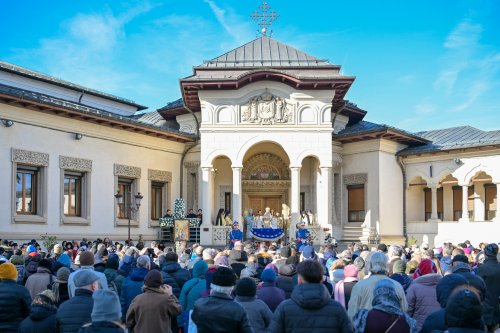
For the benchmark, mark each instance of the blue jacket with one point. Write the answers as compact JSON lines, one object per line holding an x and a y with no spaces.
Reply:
{"x":131,"y":287}
{"x":75,"y":312}
{"x":15,"y":303}
{"x":41,"y":320}
{"x":192,"y":289}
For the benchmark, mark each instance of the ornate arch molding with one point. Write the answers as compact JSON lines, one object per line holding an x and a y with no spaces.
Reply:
{"x":278,"y":170}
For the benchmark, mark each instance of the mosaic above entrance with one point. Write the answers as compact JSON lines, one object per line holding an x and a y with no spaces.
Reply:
{"x":266,"y":109}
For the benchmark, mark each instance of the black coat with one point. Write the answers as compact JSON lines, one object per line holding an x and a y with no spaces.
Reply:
{"x":41,"y":320}
{"x":286,"y":279}
{"x":490,"y":272}
{"x":75,"y":312}
{"x":237,"y":261}
{"x":175,"y":276}
{"x":310,"y":309}
{"x":219,"y":313}
{"x":15,"y":303}
{"x":101,"y":327}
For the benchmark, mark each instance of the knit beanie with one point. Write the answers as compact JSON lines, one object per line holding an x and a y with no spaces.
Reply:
{"x":351,"y":271}
{"x":246,"y":287}
{"x":30,"y":249}
{"x":64,"y":259}
{"x":268,"y":275}
{"x":8,"y":271}
{"x":63,"y":274}
{"x":464,"y":310}
{"x":112,"y":263}
{"x":86,"y":258}
{"x":491,"y":250}
{"x":17,"y":260}
{"x":106,"y":306}
{"x":153,"y":279}
{"x":58,"y":249}
{"x":224,"y":277}
{"x":399,"y":266}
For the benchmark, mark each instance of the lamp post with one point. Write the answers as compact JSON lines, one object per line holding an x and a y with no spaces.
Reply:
{"x":130,"y":209}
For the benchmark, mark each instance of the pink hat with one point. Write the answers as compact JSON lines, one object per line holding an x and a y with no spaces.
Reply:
{"x":351,"y":271}
{"x":467,"y":250}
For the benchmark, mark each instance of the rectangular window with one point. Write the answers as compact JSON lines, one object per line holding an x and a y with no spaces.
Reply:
{"x":428,"y":203}
{"x":457,"y":202}
{"x":227,"y":201}
{"x":27,"y":189}
{"x":490,"y":201}
{"x":73,"y":194}
{"x":470,"y":202}
{"x":356,"y":203}
{"x":157,"y":200}
{"x":125,"y":188}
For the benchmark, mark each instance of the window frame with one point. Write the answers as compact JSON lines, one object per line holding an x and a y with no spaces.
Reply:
{"x":486,"y":210}
{"x":161,"y":186}
{"x":79,"y":183}
{"x":360,"y":215}
{"x":35,"y":173}
{"x":40,"y":217}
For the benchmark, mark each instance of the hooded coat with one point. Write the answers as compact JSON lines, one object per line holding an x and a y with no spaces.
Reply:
{"x":271,"y":295}
{"x":131,"y":287}
{"x":421,"y":297}
{"x":310,"y":309}
{"x":15,"y":302}
{"x":287,"y":278}
{"x":258,"y":313}
{"x":175,"y":276}
{"x":192,"y":289}
{"x":42,"y":319}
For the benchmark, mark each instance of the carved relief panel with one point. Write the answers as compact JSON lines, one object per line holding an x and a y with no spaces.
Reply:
{"x":267,"y":109}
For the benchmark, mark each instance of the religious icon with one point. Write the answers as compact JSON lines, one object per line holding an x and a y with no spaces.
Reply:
{"x":181,"y":232}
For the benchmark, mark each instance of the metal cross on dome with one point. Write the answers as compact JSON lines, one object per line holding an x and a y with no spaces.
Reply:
{"x":264,"y":17}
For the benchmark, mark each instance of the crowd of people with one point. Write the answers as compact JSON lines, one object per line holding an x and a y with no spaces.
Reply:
{"x":102,"y":286}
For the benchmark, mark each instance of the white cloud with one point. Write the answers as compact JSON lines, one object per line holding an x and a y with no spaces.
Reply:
{"x":235,"y":26}
{"x":425,"y":107}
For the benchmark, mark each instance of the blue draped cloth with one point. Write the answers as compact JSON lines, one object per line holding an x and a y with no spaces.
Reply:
{"x":267,"y":234}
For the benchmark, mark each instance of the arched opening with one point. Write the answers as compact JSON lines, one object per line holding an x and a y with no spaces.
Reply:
{"x":310,"y":181}
{"x":265,"y":178}
{"x":223,"y":185}
{"x":451,"y":198}
{"x":482,"y":197}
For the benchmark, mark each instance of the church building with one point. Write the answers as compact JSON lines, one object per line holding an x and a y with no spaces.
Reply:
{"x":262,"y":126}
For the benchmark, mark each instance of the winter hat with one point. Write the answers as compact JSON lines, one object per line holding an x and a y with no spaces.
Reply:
{"x":86,"y":258}
{"x":338,"y":275}
{"x":58,"y":249}
{"x":273,"y":267}
{"x":106,"y":306}
{"x":491,"y":250}
{"x":467,"y":250}
{"x":464,"y":310}
{"x":153,"y":279}
{"x":360,"y":263}
{"x":113,"y":255}
{"x":64,"y":259}
{"x":63,"y":274}
{"x":286,"y":252}
{"x":222,"y":261}
{"x":351,"y":271}
{"x":446,"y":285}
{"x":224,"y":277}
{"x":84,"y":277}
{"x":425,"y":267}
{"x":30,"y":249}
{"x":399,"y":266}
{"x":268,"y":275}
{"x":17,"y":260}
{"x":45,"y":263}
{"x":246,"y":287}
{"x":308,"y":252}
{"x":112,"y":263}
{"x":8,"y":271}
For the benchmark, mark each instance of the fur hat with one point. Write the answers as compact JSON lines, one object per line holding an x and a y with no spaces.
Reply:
{"x":246,"y":287}
{"x":224,"y":277}
{"x":153,"y":279}
{"x":8,"y":271}
{"x":45,"y":297}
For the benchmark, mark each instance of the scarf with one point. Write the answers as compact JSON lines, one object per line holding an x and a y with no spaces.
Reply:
{"x":339,"y":294}
{"x":386,"y":300}
{"x":425,"y":267}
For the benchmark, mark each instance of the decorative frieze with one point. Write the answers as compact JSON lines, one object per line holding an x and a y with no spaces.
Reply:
{"x":30,"y":157}
{"x":75,"y":164}
{"x":355,"y":179}
{"x":127,"y":171}
{"x":160,"y":175}
{"x":267,"y":109}
{"x":192,"y":167}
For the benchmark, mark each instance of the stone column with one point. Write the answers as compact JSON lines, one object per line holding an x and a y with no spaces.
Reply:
{"x":434,"y":212}
{"x":237,"y":195}
{"x":324,"y":197}
{"x":295,"y":199}
{"x":465,"y":205}
{"x":207,"y":206}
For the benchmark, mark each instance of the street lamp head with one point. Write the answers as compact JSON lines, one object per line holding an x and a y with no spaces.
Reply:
{"x":138,"y":198}
{"x":119,"y":197}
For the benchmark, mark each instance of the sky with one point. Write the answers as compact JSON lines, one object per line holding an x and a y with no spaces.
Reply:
{"x":419,"y":65}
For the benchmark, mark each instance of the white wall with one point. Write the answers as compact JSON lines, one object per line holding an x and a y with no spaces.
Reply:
{"x":54,"y":135}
